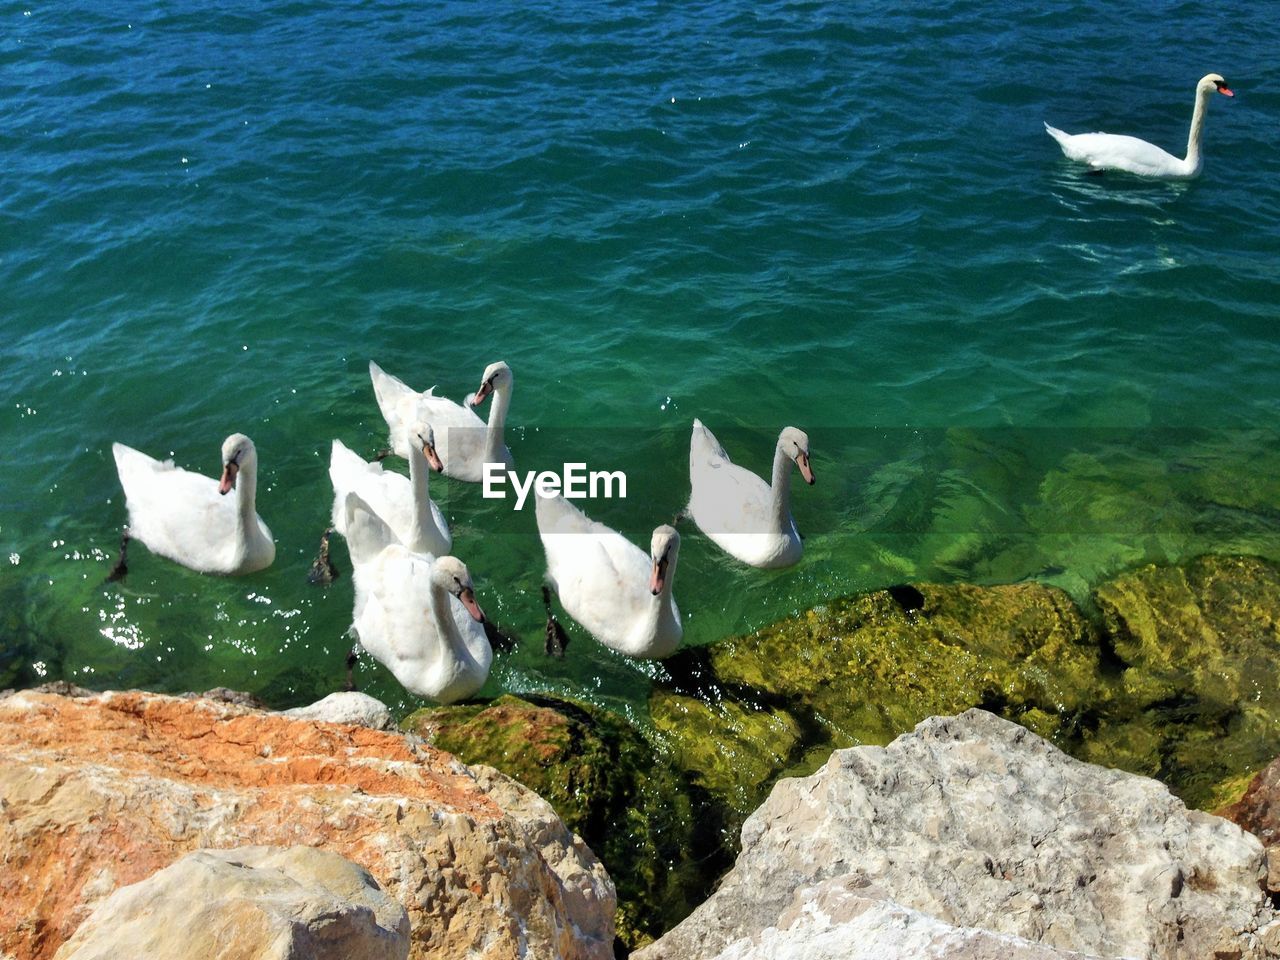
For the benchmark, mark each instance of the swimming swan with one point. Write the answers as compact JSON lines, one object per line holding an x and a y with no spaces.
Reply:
{"x":467,"y":443}
{"x":416,"y":616}
{"x":609,"y":585}
{"x":188,"y":517}
{"x":404,"y":503}
{"x":744,"y":516}
{"x":1110,"y":151}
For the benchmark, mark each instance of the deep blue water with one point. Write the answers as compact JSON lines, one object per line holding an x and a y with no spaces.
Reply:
{"x":845,"y":217}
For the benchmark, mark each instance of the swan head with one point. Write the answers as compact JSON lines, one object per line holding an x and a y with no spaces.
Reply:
{"x":420,"y":436}
{"x":450,"y":573}
{"x":1212,"y":81}
{"x":237,"y":450}
{"x":795,"y":444}
{"x":495,"y":376}
{"x":663,"y":549}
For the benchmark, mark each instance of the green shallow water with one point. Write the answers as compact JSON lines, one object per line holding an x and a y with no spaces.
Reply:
{"x":794,"y":213}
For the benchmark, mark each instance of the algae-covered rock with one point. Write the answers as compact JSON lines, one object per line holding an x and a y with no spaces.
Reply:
{"x":1198,"y":646}
{"x":632,"y":807}
{"x":861,"y":670}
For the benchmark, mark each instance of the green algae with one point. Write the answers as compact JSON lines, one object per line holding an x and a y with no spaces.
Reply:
{"x":636,"y":811}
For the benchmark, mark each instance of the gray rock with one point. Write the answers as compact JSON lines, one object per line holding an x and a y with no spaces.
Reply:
{"x":349,"y":707}
{"x":978,"y":823}
{"x":271,"y":903}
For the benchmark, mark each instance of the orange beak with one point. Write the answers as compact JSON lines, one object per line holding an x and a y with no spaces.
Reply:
{"x":468,"y":598}
{"x":806,"y":471}
{"x":228,"y":480}
{"x":659,"y":575}
{"x":482,"y":394}
{"x":433,"y":459}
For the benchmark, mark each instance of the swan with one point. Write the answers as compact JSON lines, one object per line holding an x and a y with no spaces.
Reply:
{"x":609,"y":585}
{"x":415,"y":615}
{"x":1110,"y":151}
{"x":743,"y":515}
{"x":403,"y":503}
{"x":467,"y":443}
{"x":188,"y":518}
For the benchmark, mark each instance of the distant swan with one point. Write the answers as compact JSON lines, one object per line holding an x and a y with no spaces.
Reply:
{"x":1111,"y":151}
{"x":743,"y":515}
{"x":187,"y":517}
{"x":416,"y":616}
{"x":404,"y":503}
{"x":466,"y":443}
{"x":609,"y":585}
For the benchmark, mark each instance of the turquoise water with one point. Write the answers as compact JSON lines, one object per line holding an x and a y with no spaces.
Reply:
{"x":841,"y":216}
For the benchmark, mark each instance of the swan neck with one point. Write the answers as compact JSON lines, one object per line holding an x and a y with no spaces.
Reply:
{"x":420,"y":483}
{"x":497,"y":420}
{"x":1197,"y":127}
{"x":781,"y":486}
{"x":246,"y":497}
{"x":442,"y":619}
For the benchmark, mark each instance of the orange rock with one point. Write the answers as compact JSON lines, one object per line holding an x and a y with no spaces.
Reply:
{"x":100,"y":792}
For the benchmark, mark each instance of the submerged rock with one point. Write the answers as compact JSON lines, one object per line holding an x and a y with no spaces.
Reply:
{"x":101,"y":792}
{"x":863,"y":669}
{"x":272,"y":903}
{"x":604,"y":779}
{"x":979,"y":824}
{"x":1197,"y":650}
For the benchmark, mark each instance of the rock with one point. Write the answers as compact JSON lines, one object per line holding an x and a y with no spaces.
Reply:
{"x":347,"y":706}
{"x":99,"y":793}
{"x":630,"y":805}
{"x":979,"y":823}
{"x":1198,"y":649}
{"x":841,"y":920}
{"x":273,"y":903}
{"x":863,"y":669}
{"x":1258,"y":811}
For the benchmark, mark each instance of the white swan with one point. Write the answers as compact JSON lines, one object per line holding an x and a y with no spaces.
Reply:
{"x":743,"y":515}
{"x":404,"y":503}
{"x":466,"y":443}
{"x":609,"y":585}
{"x":188,"y":517}
{"x":1111,"y":151}
{"x":416,"y":616}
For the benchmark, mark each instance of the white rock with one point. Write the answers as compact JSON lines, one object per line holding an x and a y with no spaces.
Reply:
{"x":347,"y":706}
{"x":271,"y":903}
{"x":978,"y":823}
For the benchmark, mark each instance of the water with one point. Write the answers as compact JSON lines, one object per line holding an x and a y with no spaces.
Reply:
{"x":844,"y":217}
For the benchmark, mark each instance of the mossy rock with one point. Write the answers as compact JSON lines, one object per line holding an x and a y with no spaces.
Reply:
{"x":637,"y":812}
{"x":1199,"y":649}
{"x":863,"y":669}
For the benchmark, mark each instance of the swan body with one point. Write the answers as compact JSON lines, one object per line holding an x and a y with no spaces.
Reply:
{"x":746,"y":517}
{"x":620,"y":594}
{"x":188,"y":518}
{"x":467,"y":443}
{"x":1110,"y":151}
{"x":416,"y":615}
{"x":403,"y":503}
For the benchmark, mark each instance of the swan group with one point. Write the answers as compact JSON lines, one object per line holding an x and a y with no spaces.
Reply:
{"x":414,"y":607}
{"x":1112,"y":151}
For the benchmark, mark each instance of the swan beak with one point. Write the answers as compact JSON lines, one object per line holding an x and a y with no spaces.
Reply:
{"x":806,"y":471}
{"x":468,"y":598}
{"x":228,"y":480}
{"x":1225,"y":90}
{"x":659,"y":577}
{"x":482,"y":394}
{"x":433,"y":459}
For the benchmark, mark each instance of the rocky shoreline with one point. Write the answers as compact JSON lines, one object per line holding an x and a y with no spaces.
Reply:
{"x":1167,"y":671}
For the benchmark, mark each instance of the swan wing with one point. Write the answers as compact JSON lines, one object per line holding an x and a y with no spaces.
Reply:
{"x":601,"y":577}
{"x":179,"y":514}
{"x":1114,"y":151}
{"x":368,"y":535}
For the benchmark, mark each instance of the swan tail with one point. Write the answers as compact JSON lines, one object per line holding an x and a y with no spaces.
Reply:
{"x":558,"y":515}
{"x":1057,"y":134}
{"x":703,"y":445}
